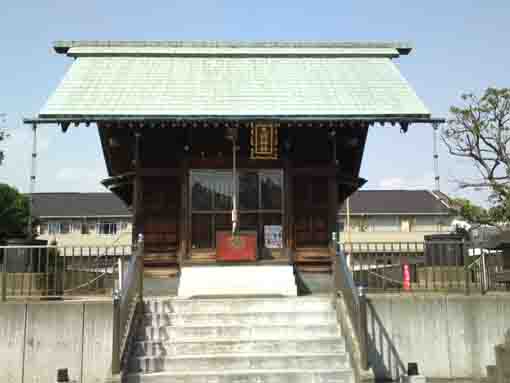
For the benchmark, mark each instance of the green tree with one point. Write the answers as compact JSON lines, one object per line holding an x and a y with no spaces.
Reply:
{"x":479,"y":131}
{"x":469,"y":211}
{"x":14,"y":212}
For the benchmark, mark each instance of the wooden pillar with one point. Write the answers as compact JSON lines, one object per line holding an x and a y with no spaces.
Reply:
{"x":184,"y":224}
{"x":290,"y":244}
{"x":333,"y":190}
{"x":332,"y":204}
{"x":137,"y":190}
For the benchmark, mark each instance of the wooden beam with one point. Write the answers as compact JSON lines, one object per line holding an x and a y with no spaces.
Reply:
{"x":137,"y":189}
{"x":184,"y":227}
{"x":327,"y":170}
{"x":290,"y":244}
{"x":160,"y":172}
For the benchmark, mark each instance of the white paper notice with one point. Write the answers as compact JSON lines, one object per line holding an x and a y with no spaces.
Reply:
{"x":273,"y":236}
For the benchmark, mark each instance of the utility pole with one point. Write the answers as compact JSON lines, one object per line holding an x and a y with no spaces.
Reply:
{"x":435,"y":127}
{"x":3,"y":132}
{"x":33,"y":169}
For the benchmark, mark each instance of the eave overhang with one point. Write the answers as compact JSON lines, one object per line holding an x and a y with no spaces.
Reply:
{"x":163,"y":120}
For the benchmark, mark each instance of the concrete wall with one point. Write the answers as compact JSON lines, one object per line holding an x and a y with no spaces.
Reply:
{"x":37,"y":338}
{"x":449,"y":336}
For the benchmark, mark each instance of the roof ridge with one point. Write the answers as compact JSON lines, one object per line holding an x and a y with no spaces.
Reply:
{"x":66,"y":44}
{"x":393,"y":190}
{"x":441,"y":200}
{"x":70,"y":193}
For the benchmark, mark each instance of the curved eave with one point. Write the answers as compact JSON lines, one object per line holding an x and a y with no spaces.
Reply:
{"x":121,"y":186}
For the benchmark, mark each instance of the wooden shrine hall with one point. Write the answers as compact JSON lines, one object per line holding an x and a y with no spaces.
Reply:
{"x":232,"y":151}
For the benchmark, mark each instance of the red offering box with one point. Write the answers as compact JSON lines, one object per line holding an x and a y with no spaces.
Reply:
{"x":242,"y":247}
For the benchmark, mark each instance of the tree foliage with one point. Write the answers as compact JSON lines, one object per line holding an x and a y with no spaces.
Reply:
{"x":479,"y":131}
{"x":469,"y":211}
{"x":14,"y":212}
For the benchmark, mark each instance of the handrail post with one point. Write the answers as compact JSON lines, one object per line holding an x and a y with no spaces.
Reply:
{"x":484,"y":279}
{"x":120,"y":273}
{"x":3,"y":272}
{"x":140,"y":256}
{"x":116,"y":334}
{"x":363,"y":328}
{"x":467,"y":269}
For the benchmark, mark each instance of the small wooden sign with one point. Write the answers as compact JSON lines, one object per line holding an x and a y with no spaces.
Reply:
{"x":264,"y":141}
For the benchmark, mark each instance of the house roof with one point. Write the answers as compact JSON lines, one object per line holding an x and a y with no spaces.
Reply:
{"x":232,"y":79}
{"x":69,"y":205}
{"x":397,"y":202}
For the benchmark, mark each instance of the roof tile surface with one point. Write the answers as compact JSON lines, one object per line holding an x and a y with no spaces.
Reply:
{"x":233,"y":86}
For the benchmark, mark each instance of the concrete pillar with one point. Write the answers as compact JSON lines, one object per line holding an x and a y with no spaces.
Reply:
{"x":503,"y":363}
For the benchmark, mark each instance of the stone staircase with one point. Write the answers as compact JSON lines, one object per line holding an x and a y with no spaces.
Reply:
{"x":246,"y":340}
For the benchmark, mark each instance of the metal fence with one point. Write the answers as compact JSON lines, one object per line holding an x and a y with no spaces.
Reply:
{"x":57,"y":271}
{"x":451,"y":265}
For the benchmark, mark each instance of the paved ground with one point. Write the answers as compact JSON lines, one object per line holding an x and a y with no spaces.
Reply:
{"x":309,"y":283}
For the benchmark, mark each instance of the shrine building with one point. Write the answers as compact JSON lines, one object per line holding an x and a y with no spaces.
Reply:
{"x":233,"y":151}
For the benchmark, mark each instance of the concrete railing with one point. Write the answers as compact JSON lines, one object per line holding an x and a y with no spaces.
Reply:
{"x":58,"y":271}
{"x":350,"y":306}
{"x":127,"y":306}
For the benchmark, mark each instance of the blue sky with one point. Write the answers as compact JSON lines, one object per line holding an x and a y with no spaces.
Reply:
{"x":460,"y":46}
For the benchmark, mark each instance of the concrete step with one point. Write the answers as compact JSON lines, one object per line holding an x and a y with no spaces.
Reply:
{"x":258,"y":376}
{"x":239,"y":280}
{"x":241,"y":305}
{"x":240,"y":347}
{"x":220,"y":319}
{"x":224,"y":362}
{"x":182,"y":333}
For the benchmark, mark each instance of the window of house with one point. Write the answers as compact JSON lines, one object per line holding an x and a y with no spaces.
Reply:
{"x":59,"y":228}
{"x":85,"y":228}
{"x":107,"y":228}
{"x":54,"y":228}
{"x":359,"y":224}
{"x":407,"y":224}
{"x":383,"y":223}
{"x":91,"y":227}
{"x":427,"y":223}
{"x":76,"y":227}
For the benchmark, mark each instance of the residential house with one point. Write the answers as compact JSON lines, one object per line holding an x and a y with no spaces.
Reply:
{"x":82,"y":219}
{"x":100,"y":219}
{"x":395,"y":216}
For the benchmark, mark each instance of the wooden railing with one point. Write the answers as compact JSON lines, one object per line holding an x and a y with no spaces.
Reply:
{"x":127,"y":306}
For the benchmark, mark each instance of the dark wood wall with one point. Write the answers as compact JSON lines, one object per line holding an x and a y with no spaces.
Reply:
{"x":321,"y":167}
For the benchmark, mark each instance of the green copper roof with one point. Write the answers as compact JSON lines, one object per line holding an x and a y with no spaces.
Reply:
{"x":282,"y":79}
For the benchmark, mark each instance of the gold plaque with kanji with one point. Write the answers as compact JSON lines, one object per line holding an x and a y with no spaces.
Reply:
{"x":264,"y":141}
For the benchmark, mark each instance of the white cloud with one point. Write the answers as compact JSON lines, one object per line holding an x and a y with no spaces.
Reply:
{"x":80,"y":179}
{"x":424,"y":181}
